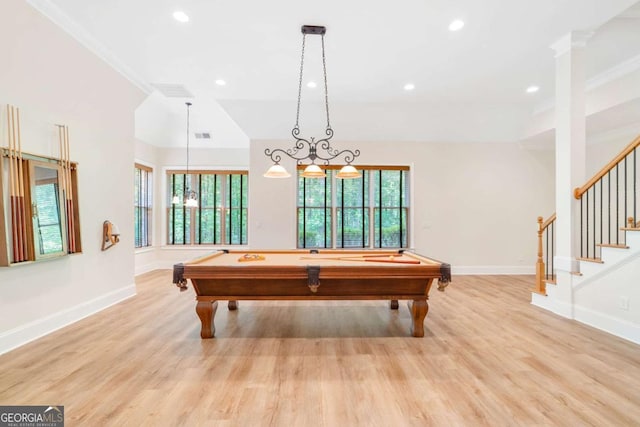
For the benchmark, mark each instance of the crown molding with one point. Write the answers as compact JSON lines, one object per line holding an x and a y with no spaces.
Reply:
{"x":622,"y":69}
{"x":632,"y":13}
{"x":616,"y":72}
{"x":62,"y":20}
{"x":571,"y":40}
{"x":629,"y":132}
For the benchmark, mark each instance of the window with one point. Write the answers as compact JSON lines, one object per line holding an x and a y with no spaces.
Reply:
{"x":142,"y":203}
{"x":221,"y":215}
{"x":368,"y":212}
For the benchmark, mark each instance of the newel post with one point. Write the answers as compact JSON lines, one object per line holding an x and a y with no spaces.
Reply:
{"x":540,"y":282}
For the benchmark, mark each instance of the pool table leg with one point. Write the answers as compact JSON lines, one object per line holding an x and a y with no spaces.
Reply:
{"x":233,"y":305}
{"x":206,"y":312}
{"x":418,"y":309}
{"x":393,"y":305}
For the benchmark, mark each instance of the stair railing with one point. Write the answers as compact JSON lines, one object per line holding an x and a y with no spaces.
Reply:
{"x":607,"y":201}
{"x":544,"y":270}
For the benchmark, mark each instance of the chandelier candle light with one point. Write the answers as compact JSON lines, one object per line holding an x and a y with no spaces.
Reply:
{"x":190,"y":197}
{"x":304,"y":149}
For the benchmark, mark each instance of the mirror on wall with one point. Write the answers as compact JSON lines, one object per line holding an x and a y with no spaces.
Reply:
{"x":47,"y":211}
{"x":39,"y":210}
{"x":39,"y":216}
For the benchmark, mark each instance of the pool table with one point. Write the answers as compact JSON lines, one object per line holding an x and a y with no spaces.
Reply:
{"x":234,"y":275}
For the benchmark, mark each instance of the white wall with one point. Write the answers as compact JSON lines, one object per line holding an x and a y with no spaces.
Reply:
{"x":474,"y":205}
{"x":608,"y":297}
{"x":53,"y":79}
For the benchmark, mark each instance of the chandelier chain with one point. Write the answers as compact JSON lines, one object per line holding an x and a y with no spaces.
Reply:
{"x":304,"y":37}
{"x":326,"y":87}
{"x":188,"y":106}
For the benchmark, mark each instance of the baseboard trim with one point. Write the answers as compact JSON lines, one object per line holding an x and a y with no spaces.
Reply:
{"x":553,"y":305}
{"x":157,"y":265}
{"x":604,"y":322}
{"x":493,"y":270}
{"x":24,"y":334}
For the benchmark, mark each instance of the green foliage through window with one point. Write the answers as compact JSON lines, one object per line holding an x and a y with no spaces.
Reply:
{"x":221,"y":216}
{"x":142,"y":206}
{"x":367,"y":212}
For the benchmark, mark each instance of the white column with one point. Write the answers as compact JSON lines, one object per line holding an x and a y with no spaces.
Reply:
{"x":570,"y":161}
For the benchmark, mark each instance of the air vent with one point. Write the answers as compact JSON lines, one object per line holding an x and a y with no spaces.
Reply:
{"x":203,"y":135}
{"x":173,"y":90}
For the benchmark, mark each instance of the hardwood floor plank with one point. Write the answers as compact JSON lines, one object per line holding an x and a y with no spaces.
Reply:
{"x":488,"y":358}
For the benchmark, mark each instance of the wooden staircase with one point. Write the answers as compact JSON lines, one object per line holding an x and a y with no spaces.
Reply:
{"x":603,"y":292}
{"x":611,"y":255}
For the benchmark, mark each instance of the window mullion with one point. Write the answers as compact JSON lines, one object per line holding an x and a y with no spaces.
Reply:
{"x":371,"y":210}
{"x":304,"y":212}
{"x":199,"y":209}
{"x":400,"y":207}
{"x":334,"y":213}
{"x":223,"y":210}
{"x":173,"y":211}
{"x":215,"y":207}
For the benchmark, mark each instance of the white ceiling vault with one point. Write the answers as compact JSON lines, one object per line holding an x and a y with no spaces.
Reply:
{"x":469,"y":85}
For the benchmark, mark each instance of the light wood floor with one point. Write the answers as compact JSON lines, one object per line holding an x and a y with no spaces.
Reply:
{"x":488,"y":358}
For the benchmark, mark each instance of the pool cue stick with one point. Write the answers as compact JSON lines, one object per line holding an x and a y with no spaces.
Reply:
{"x":70,"y":219}
{"x":17,"y":170}
{"x":63,"y":177}
{"x":16,"y":192}
{"x":394,"y":261}
{"x":361,"y":259}
{"x":381,"y":256}
{"x":23,"y":213}
{"x":12,"y":185}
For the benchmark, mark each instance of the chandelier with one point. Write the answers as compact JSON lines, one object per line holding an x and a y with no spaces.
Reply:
{"x":311,"y":149}
{"x":190,"y":196}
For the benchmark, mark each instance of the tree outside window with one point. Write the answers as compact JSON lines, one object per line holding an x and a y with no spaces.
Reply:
{"x":367,"y":212}
{"x":142,"y":203}
{"x":221,"y":215}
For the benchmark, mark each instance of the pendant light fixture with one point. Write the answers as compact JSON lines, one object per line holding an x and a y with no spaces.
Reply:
{"x":190,"y":196}
{"x":307,"y":149}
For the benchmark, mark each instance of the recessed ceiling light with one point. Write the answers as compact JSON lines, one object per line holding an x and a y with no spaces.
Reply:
{"x":312,"y":85}
{"x":220,"y":82}
{"x":180,"y":16}
{"x":409,"y":86}
{"x":532,"y":89}
{"x":456,"y":25}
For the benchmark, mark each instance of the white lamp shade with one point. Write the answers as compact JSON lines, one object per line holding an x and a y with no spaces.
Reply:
{"x":277,"y":171}
{"x":313,"y":171}
{"x":175,"y":200}
{"x":348,"y":172}
{"x":191,"y":203}
{"x":115,"y":231}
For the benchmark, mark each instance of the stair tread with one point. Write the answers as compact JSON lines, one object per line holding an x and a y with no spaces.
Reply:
{"x":596,"y":260}
{"x":612,"y":245}
{"x":629,"y":229}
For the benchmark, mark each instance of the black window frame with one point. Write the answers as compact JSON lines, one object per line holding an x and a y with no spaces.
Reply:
{"x":228,"y":224}
{"x":372,"y":206}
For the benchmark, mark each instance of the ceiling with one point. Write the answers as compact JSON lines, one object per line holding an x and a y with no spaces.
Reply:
{"x":469,"y":85}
